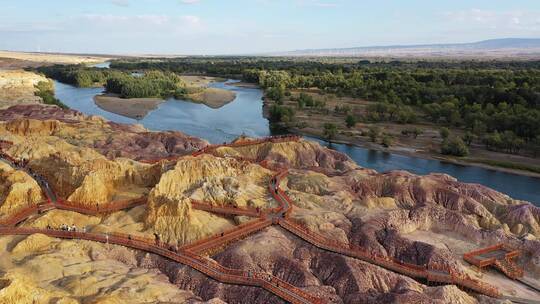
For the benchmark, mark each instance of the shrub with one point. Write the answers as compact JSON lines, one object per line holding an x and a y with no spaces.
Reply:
{"x":454,"y":146}
{"x":281,"y":114}
{"x":444,"y":132}
{"x":373,"y":133}
{"x":350,"y":121}
{"x":387,"y":140}
{"x":330,"y":131}
{"x":45,"y":90}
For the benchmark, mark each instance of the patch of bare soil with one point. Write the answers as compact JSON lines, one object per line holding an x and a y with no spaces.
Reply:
{"x":49,"y":58}
{"x":200,"y":92}
{"x":136,"y":108}
{"x":213,"y":97}
{"x":18,"y":87}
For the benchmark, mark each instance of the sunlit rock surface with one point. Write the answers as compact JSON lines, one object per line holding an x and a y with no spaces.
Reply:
{"x":425,"y":220}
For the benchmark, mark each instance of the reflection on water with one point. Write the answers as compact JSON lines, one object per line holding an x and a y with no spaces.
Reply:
{"x":244,"y":116}
{"x":517,"y":186}
{"x":102,"y":65}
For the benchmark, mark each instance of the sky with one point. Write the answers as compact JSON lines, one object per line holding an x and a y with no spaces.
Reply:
{"x":210,"y":27}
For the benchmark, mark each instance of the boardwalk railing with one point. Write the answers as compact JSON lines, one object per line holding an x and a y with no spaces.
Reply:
{"x":504,"y":263}
{"x":441,"y":275}
{"x":233,"y":234}
{"x":279,"y":215}
{"x":114,"y":206}
{"x":212,"y":269}
{"x":252,"y":212}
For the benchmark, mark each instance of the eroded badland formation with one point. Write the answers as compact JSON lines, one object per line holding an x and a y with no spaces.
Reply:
{"x":157,"y":217}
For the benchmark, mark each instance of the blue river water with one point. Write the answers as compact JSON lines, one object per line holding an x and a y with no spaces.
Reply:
{"x":244,"y":116}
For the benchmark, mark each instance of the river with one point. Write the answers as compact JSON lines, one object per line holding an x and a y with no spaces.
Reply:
{"x":244,"y":116}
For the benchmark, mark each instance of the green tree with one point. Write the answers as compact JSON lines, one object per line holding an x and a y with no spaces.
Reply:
{"x":306,"y":100}
{"x":350,"y":121}
{"x":444,"y":132}
{"x":454,"y":146}
{"x":535,"y":146}
{"x":386,"y":140}
{"x":330,"y":131}
{"x":417,"y":132}
{"x":276,"y":93}
{"x":45,"y":90}
{"x":493,"y":141}
{"x":373,"y":133}
{"x":281,"y":113}
{"x":468,"y":138}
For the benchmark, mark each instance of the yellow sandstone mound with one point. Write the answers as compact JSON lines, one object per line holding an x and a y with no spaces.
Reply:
{"x":17,"y":190}
{"x":18,"y":288}
{"x":423,"y":220}
{"x":54,"y":271}
{"x":17,"y":87}
{"x":218,"y":181}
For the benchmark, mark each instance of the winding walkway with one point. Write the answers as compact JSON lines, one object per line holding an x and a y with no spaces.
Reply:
{"x":189,"y":254}
{"x":186,"y":255}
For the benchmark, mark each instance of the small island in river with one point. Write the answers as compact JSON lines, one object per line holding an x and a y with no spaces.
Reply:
{"x":136,"y":108}
{"x":195,"y":90}
{"x":212,"y":97}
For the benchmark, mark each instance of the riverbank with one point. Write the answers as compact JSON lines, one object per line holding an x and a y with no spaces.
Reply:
{"x":311,"y":121}
{"x":414,"y":153}
{"x":241,"y":84}
{"x":244,"y":116}
{"x":136,"y":108}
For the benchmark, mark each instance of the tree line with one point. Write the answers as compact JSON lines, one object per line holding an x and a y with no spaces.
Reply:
{"x":160,"y":84}
{"x":489,"y":99}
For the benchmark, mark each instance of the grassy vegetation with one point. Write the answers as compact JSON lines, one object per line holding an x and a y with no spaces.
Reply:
{"x":497,"y":102}
{"x":493,"y":103}
{"x":504,"y":164}
{"x":151,"y":84}
{"x":77,"y":75}
{"x":45,"y":90}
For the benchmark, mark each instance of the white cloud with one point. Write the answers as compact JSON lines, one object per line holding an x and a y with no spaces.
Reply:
{"x":189,"y":1}
{"x":138,"y":19}
{"x":479,"y":18}
{"x":191,"y":20}
{"x":326,"y":4}
{"x":123,"y":3}
{"x":135,"y":25}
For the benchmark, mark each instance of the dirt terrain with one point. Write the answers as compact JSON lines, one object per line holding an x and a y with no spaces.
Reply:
{"x":136,"y":108}
{"x":18,"y":87}
{"x":213,"y":97}
{"x":421,"y":220}
{"x":17,"y":60}
{"x":200,"y":92}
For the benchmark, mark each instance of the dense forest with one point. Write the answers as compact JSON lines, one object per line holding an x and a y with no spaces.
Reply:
{"x":125,"y":84}
{"x":496,"y":101}
{"x":151,"y":84}
{"x":77,"y":75}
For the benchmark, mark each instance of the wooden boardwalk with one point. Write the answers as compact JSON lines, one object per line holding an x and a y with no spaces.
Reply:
{"x":190,"y":254}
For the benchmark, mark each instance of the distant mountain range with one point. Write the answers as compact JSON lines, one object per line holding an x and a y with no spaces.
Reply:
{"x":490,"y":48}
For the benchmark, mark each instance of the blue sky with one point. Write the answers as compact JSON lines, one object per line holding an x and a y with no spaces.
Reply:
{"x":251,"y":26}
